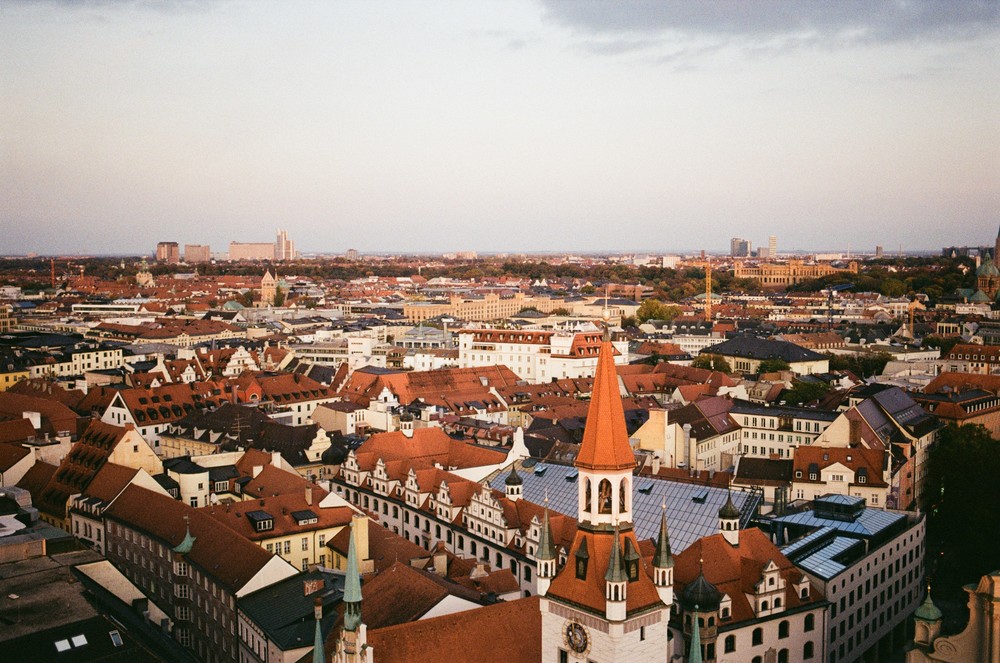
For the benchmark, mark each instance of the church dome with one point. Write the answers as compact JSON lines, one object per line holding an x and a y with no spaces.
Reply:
{"x":703,"y":594}
{"x":988,"y":268}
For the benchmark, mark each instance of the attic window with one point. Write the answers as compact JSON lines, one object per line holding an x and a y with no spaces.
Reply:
{"x":798,"y":474}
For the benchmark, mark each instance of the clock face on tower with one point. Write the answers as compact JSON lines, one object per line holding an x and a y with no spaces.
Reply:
{"x":576,"y":637}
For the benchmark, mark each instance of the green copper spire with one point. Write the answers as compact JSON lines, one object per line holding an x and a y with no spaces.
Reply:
{"x":663,"y":558}
{"x":695,"y":655}
{"x":184,"y":547}
{"x":616,"y":569}
{"x":352,"y":588}
{"x":318,"y":653}
{"x":927,"y":611}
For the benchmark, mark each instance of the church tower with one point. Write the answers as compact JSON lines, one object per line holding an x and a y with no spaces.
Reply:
{"x":729,"y":521}
{"x":268,"y":289}
{"x":603,"y":605}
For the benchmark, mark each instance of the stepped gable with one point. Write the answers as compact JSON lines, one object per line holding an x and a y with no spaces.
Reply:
{"x":735,"y":570}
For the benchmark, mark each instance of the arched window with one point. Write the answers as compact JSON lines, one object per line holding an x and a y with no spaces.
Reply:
{"x":730,"y":644}
{"x":810,"y":623}
{"x":763,"y":605}
{"x":711,"y":621}
{"x":621,"y":497}
{"x":783,"y":656}
{"x":604,"y":496}
{"x":757,"y":659}
{"x":587,"y":492}
{"x":783,"y":629}
{"x":807,"y":650}
{"x":777,"y":602}
{"x":758,"y":636}
{"x":701,"y":622}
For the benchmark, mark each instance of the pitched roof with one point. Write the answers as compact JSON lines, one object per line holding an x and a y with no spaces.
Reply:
{"x":605,"y":443}
{"x":220,"y":552}
{"x":512,"y":629}
{"x":734,"y":570}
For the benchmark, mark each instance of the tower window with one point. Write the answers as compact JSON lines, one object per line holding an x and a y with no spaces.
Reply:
{"x":604,"y":496}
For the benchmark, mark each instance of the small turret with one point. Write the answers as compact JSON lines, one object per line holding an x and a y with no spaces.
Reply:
{"x":545,"y":556}
{"x":663,"y":563}
{"x":729,"y":521}
{"x":514,"y":484}
{"x":616,"y":582}
{"x":926,"y":621}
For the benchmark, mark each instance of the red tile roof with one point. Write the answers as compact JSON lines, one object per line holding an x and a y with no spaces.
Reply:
{"x":218,"y":551}
{"x":508,"y":631}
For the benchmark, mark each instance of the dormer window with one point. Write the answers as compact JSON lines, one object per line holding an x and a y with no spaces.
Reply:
{"x":582,"y":557}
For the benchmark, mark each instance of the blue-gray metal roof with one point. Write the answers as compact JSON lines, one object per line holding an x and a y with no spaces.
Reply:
{"x":692,"y":509}
{"x":824,"y":552}
{"x":869,"y":523}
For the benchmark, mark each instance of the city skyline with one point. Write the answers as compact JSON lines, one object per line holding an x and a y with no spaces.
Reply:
{"x":522,"y":127}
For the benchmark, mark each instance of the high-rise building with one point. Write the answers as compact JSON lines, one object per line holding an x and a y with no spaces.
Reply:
{"x":352,"y":255}
{"x":168,"y":252}
{"x":284,"y":248}
{"x":739,"y":247}
{"x":772,"y":247}
{"x":251,"y":251}
{"x":197,"y":253}
{"x":879,"y":252}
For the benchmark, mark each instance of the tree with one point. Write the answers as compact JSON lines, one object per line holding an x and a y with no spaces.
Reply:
{"x":279,"y":296}
{"x":712,"y":363}
{"x":862,"y":364}
{"x":654,"y":309}
{"x":773,"y":366}
{"x":560,"y":311}
{"x":962,"y":502}
{"x":804,"y":392}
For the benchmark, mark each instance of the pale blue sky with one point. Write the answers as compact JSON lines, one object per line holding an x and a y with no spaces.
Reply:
{"x":498,"y":126}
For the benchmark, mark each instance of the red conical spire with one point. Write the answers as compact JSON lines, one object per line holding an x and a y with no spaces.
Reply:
{"x":605,"y":439}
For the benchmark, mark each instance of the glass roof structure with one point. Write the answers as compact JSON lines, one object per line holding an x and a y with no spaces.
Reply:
{"x":692,"y":509}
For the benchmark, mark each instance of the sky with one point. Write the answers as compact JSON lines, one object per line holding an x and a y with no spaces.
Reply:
{"x":498,"y":126}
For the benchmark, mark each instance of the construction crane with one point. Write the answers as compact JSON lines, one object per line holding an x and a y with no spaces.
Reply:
{"x":706,"y":264}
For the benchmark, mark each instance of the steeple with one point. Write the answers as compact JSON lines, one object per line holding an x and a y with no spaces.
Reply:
{"x":926,"y":621}
{"x":352,"y":588}
{"x":352,"y":645}
{"x":318,"y":654}
{"x":695,"y":655}
{"x":663,"y":562}
{"x":616,"y":582}
{"x":184,"y":547}
{"x":545,"y":556}
{"x":605,"y":460}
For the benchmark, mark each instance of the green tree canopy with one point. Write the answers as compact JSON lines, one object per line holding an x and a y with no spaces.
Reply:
{"x":712,"y":363}
{"x":773,"y":366}
{"x":654,"y":309}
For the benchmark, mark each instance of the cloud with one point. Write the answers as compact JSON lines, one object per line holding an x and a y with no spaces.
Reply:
{"x":162,"y":6}
{"x":838,"y":23}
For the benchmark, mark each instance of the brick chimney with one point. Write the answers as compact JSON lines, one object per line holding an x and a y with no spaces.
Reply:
{"x":309,"y":495}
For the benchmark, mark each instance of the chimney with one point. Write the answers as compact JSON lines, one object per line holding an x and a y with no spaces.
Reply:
{"x":276,"y":459}
{"x":257,"y":469}
{"x":309,"y":495}
{"x":359,"y":527}
{"x":441,"y":564}
{"x":478,"y":572}
{"x":855,"y":433}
